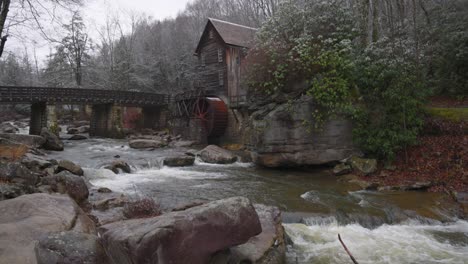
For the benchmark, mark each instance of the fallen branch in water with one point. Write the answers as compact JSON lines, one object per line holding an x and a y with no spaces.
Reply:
{"x":347,"y":251}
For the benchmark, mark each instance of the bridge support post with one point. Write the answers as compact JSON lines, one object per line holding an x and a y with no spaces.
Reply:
{"x":106,"y":121}
{"x":52,"y":122}
{"x":38,"y":118}
{"x":152,"y":117}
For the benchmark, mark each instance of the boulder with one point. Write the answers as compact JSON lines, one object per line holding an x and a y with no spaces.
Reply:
{"x":190,"y":236}
{"x":118,"y":165}
{"x":13,"y":190}
{"x":281,"y":135}
{"x":267,"y":247}
{"x":146,"y":143}
{"x":25,"y":219}
{"x":66,"y":165}
{"x":182,"y":144}
{"x":215,"y":154}
{"x":31,"y":141}
{"x":8,"y":128}
{"x":67,"y":183}
{"x":71,"y":248}
{"x":15,"y":172}
{"x":365,"y":166}
{"x":36,"y":163}
{"x":11,"y":150}
{"x":77,"y":137}
{"x":342,"y":169}
{"x":179,"y":161}
{"x":52,"y":141}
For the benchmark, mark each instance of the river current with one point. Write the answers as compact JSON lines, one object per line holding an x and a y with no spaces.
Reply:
{"x":413,"y":227}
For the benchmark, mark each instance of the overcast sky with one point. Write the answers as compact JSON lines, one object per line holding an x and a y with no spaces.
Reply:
{"x":95,"y":13}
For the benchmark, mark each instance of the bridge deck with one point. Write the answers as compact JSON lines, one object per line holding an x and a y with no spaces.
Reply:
{"x":15,"y":94}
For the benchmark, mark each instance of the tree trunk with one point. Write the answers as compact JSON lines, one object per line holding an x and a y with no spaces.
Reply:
{"x":4,"y":8}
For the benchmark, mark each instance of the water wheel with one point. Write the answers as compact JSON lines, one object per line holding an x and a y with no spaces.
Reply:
{"x":213,"y":113}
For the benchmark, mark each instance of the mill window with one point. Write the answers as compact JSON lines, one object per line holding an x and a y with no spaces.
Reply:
{"x":221,"y":78}
{"x":220,"y":55}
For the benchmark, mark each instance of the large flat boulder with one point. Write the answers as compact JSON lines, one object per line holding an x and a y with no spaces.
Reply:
{"x":190,"y":236}
{"x":25,"y":219}
{"x":31,"y":141}
{"x":218,"y":155}
{"x":282,"y":135}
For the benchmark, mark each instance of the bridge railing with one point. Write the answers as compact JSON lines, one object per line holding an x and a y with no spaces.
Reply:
{"x":16,"y":94}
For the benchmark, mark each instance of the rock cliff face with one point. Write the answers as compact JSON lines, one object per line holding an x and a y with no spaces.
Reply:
{"x":281,"y":136}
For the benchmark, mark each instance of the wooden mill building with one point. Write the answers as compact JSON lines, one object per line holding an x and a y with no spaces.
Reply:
{"x":214,"y":110}
{"x":221,"y":55}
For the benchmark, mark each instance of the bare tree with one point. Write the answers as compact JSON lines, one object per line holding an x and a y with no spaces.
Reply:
{"x":28,"y":13}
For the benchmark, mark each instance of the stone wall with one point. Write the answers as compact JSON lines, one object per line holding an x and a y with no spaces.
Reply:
{"x":282,"y":135}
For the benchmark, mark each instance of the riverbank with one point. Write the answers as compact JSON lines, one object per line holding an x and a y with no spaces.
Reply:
{"x":315,"y":205}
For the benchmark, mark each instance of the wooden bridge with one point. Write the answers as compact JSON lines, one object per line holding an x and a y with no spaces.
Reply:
{"x":18,"y":95}
{"x":106,"y":117}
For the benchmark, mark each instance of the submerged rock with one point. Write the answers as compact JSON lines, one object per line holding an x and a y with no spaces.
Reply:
{"x":25,"y":219}
{"x":146,"y":144}
{"x":52,"y":141}
{"x":215,"y":154}
{"x":71,"y":248}
{"x":179,"y":161}
{"x":190,"y":236}
{"x":66,"y":165}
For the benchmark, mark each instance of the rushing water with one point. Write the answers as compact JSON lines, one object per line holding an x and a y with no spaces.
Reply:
{"x":377,"y":227}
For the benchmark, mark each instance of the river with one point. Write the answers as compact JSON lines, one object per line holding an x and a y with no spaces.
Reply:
{"x":412,"y":227}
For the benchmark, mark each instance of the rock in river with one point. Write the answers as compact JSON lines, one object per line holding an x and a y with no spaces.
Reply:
{"x":66,"y":165}
{"x":146,"y":143}
{"x":25,"y":219}
{"x":215,"y":154}
{"x":118,"y":165}
{"x":52,"y":141}
{"x":190,"y":236}
{"x":179,"y":161}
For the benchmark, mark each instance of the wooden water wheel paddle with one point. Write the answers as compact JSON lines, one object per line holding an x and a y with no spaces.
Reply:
{"x":213,"y":113}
